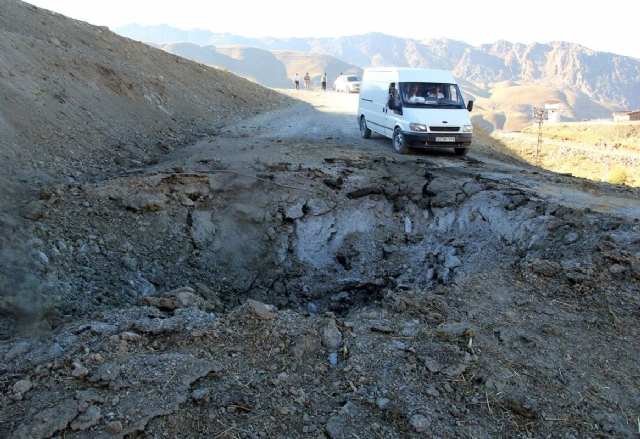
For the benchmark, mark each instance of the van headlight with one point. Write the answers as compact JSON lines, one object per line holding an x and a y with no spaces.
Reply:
{"x":467,"y":128}
{"x":417,"y":127}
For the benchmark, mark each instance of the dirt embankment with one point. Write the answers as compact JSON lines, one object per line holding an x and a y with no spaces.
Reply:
{"x":282,"y":277}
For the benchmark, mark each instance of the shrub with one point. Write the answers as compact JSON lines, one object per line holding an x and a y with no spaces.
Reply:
{"x":617,"y":176}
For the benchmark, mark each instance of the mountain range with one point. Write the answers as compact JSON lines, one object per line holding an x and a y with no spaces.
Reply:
{"x":507,"y":80}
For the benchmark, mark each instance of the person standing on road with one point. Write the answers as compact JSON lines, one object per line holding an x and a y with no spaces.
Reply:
{"x":296,"y":81}
{"x":307,"y":81}
{"x":324,"y":82}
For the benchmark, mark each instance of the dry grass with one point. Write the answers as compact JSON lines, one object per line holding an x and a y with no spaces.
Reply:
{"x":599,"y":152}
{"x":618,"y":135}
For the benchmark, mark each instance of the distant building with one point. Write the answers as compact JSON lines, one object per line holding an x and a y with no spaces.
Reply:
{"x":553,"y":111}
{"x":621,"y":116}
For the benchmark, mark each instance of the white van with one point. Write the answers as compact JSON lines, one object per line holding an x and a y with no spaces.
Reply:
{"x":426,"y":109}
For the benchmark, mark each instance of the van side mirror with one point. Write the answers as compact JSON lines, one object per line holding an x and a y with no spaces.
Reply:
{"x":391,"y":104}
{"x":470,"y":105}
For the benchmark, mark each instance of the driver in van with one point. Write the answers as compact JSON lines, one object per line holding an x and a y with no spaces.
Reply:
{"x":415,"y":91}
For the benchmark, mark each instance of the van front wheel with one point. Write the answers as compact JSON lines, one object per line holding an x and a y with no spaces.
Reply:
{"x":399,"y":144}
{"x":365,"y":132}
{"x":461,"y":151}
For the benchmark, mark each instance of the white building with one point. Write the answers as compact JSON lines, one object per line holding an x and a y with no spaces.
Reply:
{"x":622,"y":116}
{"x":553,"y":111}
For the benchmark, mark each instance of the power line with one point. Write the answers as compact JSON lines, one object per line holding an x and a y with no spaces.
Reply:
{"x":539,"y":116}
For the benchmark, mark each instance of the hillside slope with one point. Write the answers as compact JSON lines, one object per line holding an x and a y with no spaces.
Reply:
{"x":81,"y":101}
{"x":274,"y":68}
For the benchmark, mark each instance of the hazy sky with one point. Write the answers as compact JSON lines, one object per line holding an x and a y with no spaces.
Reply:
{"x":596,"y":24}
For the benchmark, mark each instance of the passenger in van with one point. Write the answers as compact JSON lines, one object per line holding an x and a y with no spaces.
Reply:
{"x":436,"y":93}
{"x":393,"y":101}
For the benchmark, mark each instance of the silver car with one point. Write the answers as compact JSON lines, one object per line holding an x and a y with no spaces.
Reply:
{"x":347,"y":83}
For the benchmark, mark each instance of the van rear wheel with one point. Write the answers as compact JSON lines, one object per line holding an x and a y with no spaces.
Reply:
{"x":365,"y":132}
{"x":399,"y":144}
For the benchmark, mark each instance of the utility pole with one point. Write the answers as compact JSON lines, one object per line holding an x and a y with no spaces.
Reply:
{"x":539,"y":116}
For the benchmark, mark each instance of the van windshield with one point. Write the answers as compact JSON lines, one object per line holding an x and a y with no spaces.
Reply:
{"x":415,"y":94}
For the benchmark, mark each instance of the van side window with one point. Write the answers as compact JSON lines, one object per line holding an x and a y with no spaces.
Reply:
{"x":393,"y":100}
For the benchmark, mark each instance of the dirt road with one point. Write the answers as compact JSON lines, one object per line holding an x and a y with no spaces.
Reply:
{"x":326,"y":127}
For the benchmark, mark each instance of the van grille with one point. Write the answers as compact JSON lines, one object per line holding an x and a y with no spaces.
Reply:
{"x":445,"y":129}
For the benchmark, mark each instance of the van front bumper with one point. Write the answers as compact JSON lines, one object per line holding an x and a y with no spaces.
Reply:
{"x":439,"y":139}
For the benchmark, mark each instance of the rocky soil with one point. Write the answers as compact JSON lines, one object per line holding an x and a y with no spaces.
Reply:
{"x":230,"y":261}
